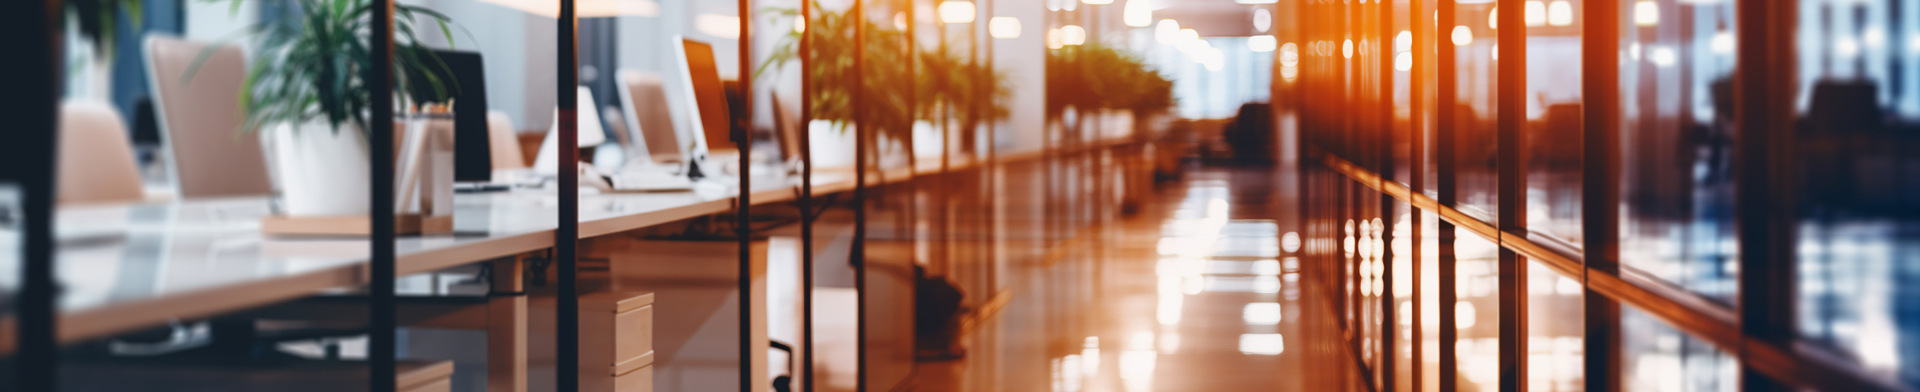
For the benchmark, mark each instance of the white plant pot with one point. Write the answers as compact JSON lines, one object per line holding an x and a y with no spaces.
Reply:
{"x":319,"y":170}
{"x":833,"y":143}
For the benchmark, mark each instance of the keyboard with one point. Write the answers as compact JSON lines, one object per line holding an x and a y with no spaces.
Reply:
{"x":649,"y":181}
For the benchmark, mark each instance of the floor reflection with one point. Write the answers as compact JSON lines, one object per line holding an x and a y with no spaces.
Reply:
{"x":1195,"y":294}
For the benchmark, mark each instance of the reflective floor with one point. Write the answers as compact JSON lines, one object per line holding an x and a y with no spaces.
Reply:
{"x":1195,"y":292}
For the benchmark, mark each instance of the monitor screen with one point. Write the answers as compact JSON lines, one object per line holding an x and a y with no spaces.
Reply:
{"x":709,"y":95}
{"x":465,"y":83}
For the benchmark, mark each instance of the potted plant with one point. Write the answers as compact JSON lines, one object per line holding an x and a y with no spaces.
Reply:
{"x":936,"y":77}
{"x":1094,"y":77}
{"x":305,"y":91}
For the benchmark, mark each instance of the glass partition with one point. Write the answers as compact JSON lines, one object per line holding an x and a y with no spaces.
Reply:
{"x":1552,"y":135}
{"x":1677,"y":193}
{"x":1856,"y":114}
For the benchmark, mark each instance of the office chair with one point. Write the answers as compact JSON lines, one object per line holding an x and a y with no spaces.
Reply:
{"x":96,"y":160}
{"x":211,"y":154}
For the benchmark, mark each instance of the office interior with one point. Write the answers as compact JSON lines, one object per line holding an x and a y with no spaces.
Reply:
{"x":960,"y":195}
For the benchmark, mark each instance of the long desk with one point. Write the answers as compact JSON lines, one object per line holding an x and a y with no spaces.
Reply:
{"x":129,"y":266}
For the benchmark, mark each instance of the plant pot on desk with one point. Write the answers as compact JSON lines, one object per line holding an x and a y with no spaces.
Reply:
{"x":320,"y":176}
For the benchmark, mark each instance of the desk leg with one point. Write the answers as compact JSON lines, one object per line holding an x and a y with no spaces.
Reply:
{"x":507,"y":328}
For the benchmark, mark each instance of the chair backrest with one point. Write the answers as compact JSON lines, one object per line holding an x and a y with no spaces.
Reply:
{"x":96,"y":159}
{"x":201,"y":121}
{"x":644,"y":95}
{"x":504,"y":142}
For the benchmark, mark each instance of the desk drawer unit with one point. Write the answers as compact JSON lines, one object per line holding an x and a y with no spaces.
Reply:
{"x":616,"y":341}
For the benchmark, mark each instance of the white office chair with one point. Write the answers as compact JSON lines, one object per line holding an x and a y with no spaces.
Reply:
{"x":210,"y":155}
{"x":96,"y":160}
{"x":504,"y":142}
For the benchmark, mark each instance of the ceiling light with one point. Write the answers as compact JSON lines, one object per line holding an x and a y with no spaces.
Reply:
{"x":722,"y":26}
{"x":1072,"y":35}
{"x":1560,"y":13}
{"x":1346,"y":49}
{"x":1722,"y":42}
{"x":1289,"y":55}
{"x":1004,"y":27}
{"x":1138,"y":13}
{"x":1661,"y":56}
{"x":956,"y":12}
{"x":1536,"y":13}
{"x":1262,"y":43}
{"x":1262,"y":20}
{"x":1167,"y":32}
{"x":1646,"y":13}
{"x":1462,"y":36}
{"x":1493,"y":18}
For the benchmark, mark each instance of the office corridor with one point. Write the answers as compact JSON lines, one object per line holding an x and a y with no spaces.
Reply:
{"x":1195,"y":292}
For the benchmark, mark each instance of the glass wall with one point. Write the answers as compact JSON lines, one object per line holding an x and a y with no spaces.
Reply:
{"x":1676,"y":142}
{"x":1551,"y":142}
{"x":1671,"y":164}
{"x":1476,"y":65}
{"x":1858,"y":234}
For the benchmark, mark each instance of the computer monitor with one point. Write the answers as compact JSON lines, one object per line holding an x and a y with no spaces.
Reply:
{"x":710,"y":121}
{"x":787,"y":127}
{"x":464,"y":82}
{"x":649,"y":117}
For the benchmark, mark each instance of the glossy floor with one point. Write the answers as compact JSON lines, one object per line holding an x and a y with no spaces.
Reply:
{"x":1195,"y":292}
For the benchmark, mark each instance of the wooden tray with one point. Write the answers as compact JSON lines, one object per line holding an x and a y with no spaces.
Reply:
{"x":406,"y":224}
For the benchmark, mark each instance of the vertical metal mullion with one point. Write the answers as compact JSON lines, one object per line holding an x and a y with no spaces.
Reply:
{"x":1764,"y":184}
{"x":807,"y":217}
{"x":911,"y":216}
{"x":1446,"y":99}
{"x":858,"y":11}
{"x":992,"y":167}
{"x":1600,"y":187}
{"x":32,"y":28}
{"x":1416,"y":184}
{"x":566,"y":234}
{"x":743,"y":212}
{"x":382,"y":325}
{"x":1510,"y":105}
{"x":939,"y":263}
{"x":1383,"y":53}
{"x":1350,"y":195}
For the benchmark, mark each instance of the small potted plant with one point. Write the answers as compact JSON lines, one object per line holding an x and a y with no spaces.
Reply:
{"x":305,"y":91}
